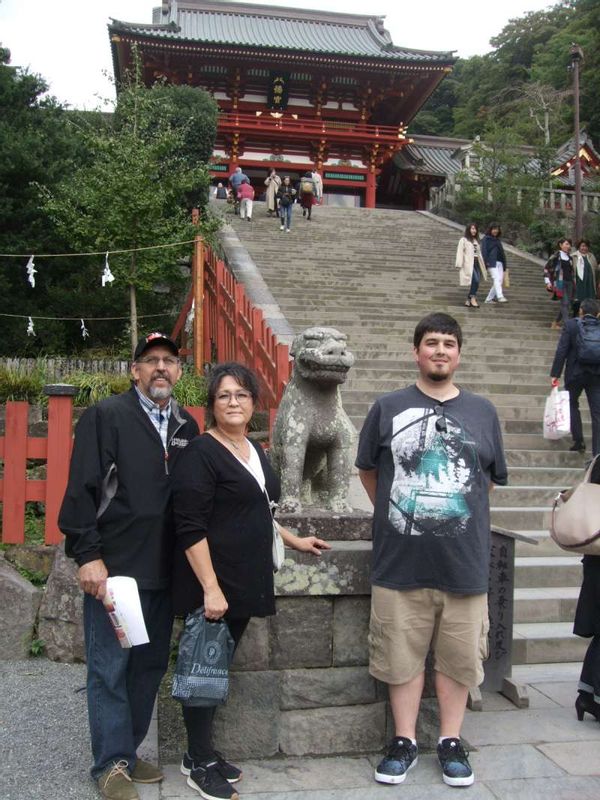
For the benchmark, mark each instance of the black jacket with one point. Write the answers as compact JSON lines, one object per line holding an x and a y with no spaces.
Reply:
{"x":215,"y":497}
{"x":117,"y":506}
{"x":566,"y":351}
{"x":492,"y":251}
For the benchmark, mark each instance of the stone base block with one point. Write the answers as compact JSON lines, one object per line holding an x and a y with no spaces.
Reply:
{"x":350,"y":631}
{"x":313,"y":688}
{"x":320,"y":731}
{"x":23,"y":600}
{"x":327,"y":525}
{"x":248,"y":725}
{"x":60,"y":623}
{"x":301,"y":633}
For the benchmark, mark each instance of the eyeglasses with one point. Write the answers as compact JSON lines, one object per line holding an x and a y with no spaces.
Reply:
{"x":154,"y":361}
{"x":440,"y":419}
{"x":240,"y":397}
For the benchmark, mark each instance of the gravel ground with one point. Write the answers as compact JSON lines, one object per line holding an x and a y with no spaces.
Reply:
{"x":44,"y":742}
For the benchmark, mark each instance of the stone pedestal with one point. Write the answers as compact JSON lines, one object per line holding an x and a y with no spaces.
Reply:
{"x":300,"y":682}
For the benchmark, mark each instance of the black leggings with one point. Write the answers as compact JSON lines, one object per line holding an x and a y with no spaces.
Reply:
{"x":198,"y":719}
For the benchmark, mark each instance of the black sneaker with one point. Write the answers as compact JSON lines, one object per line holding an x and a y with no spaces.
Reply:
{"x":456,"y":770}
{"x":577,"y":447}
{"x":231,"y":773}
{"x":400,"y":757}
{"x":207,"y":779}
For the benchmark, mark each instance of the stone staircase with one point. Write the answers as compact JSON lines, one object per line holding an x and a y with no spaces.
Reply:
{"x":373,"y":274}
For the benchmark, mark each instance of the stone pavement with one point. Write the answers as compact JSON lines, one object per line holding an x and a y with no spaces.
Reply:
{"x":540,"y":752}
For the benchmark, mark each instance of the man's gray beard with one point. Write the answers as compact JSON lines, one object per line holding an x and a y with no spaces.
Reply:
{"x":160,"y":392}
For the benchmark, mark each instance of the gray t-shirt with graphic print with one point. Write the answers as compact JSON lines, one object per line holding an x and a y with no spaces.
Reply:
{"x":431,"y":523}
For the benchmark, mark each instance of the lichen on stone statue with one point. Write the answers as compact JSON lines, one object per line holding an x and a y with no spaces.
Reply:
{"x":313,"y":437}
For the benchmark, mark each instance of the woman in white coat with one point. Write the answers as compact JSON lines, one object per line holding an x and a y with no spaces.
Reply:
{"x":470,"y":264}
{"x":273,"y":182}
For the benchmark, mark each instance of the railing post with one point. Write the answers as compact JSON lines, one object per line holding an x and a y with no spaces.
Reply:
{"x":15,"y":476}
{"x":282,"y":369}
{"x":198,"y":278}
{"x":60,"y":438}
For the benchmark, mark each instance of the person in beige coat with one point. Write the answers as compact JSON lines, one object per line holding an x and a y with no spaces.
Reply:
{"x":470,"y":263}
{"x":272,"y":182}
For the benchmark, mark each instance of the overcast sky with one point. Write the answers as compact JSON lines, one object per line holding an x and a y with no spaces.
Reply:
{"x":66,"y":41}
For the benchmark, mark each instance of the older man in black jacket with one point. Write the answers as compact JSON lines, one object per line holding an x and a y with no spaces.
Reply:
{"x":581,"y":374}
{"x":116,"y":516}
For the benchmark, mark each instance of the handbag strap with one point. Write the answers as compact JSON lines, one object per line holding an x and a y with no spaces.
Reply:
{"x":588,"y":474}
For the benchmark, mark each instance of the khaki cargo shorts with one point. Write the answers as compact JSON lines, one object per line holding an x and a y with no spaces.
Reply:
{"x":405,"y":624}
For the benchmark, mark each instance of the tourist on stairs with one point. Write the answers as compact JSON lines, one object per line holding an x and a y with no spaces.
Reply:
{"x":285,"y":195}
{"x":495,"y":261}
{"x":470,"y":264}
{"x":559,"y":273}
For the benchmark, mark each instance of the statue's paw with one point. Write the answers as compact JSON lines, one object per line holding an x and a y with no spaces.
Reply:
{"x":289,"y":505}
{"x":340,"y":507}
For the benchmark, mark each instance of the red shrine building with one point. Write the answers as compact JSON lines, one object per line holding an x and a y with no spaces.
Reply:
{"x":297,"y":89}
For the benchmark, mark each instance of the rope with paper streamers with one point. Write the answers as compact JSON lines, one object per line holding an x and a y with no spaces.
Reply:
{"x":84,"y":331}
{"x":106,"y":277}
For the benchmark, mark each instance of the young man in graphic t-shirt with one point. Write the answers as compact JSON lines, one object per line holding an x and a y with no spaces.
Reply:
{"x":427,"y":457}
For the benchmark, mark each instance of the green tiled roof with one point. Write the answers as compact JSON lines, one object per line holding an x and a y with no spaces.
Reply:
{"x":276,"y":28}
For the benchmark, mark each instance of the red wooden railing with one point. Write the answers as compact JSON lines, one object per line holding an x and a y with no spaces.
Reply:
{"x":16,"y":447}
{"x":227,"y":327}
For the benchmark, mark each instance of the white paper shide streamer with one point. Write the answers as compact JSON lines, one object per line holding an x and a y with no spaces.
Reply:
{"x":30,"y":328}
{"x":189,"y":320}
{"x":31,"y":271}
{"x":107,"y":276}
{"x":84,"y":331}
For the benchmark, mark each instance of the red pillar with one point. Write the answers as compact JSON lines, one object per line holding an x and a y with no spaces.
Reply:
{"x":370,"y":190}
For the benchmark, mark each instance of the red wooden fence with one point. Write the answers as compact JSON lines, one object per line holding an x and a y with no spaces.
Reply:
{"x":229,"y":328}
{"x":16,"y":447}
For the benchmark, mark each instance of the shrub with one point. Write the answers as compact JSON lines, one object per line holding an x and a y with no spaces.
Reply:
{"x":20,"y":384}
{"x":191,"y":389}
{"x":93,"y":387}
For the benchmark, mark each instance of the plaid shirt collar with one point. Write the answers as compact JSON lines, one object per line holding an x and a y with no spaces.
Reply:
{"x":158,"y":416}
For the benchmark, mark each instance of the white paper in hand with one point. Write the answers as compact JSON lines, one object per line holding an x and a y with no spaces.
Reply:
{"x":122,"y":602}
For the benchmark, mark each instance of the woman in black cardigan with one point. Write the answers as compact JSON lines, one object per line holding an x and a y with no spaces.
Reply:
{"x":223,"y":557}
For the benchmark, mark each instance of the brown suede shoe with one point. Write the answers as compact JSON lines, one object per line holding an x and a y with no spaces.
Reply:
{"x":145,"y":772}
{"x":115,"y":783}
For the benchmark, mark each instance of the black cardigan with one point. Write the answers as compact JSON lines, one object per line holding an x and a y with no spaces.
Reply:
{"x":217,"y":498}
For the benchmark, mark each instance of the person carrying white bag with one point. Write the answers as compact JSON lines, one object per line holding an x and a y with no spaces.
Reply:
{"x":578,"y":350}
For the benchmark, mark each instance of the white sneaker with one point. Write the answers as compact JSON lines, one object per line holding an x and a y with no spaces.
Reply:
{"x":281,"y":227}
{"x":502,"y":300}
{"x":287,"y":230}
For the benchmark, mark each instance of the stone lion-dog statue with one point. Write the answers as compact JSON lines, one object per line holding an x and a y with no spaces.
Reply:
{"x":313,"y":438}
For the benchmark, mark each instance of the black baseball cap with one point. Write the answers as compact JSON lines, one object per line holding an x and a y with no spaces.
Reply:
{"x":152,"y":339}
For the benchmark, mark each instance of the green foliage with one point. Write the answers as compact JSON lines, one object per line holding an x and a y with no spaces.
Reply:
{"x":532,"y":50}
{"x":83,"y":181}
{"x":34,"y":524}
{"x":22,"y":384}
{"x":36,"y":578}
{"x":191,"y":389}
{"x":503,"y":185}
{"x":37,"y":648}
{"x":95,"y":386}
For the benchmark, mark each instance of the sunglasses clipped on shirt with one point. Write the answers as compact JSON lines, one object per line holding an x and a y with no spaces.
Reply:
{"x":441,"y":425}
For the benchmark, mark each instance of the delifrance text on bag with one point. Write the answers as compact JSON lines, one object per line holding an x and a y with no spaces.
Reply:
{"x":201,"y":676}
{"x":557,"y":415}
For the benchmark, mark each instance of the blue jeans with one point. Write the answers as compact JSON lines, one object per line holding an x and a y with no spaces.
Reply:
{"x":475,"y":279}
{"x":122,"y":683}
{"x":286,"y":215}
